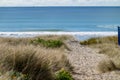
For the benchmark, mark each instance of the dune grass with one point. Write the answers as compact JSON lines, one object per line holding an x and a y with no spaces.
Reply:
{"x":28,"y":61}
{"x":100,"y":40}
{"x":108,"y":46}
{"x":106,"y":66}
{"x":47,"y":43}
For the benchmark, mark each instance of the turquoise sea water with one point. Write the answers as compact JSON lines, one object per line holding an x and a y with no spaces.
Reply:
{"x":66,"y":19}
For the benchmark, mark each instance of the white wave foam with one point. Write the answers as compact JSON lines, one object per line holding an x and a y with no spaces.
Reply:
{"x":108,"y":26}
{"x":32,"y":34}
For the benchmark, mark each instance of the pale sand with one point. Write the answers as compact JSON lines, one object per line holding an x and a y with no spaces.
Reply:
{"x":85,"y":61}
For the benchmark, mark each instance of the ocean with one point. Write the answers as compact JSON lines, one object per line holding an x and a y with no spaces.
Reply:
{"x":27,"y":21}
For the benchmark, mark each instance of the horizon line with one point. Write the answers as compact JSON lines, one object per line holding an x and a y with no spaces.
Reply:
{"x":59,"y":6}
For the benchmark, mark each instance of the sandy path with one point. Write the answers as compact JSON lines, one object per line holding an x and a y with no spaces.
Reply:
{"x":85,"y":61}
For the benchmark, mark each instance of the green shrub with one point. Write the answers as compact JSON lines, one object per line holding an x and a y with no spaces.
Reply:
{"x":63,"y":75}
{"x":48,"y":43}
{"x":99,"y":40}
{"x":14,"y":75}
{"x":90,"y":41}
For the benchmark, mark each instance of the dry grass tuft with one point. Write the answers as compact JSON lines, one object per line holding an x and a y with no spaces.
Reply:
{"x":106,"y":66}
{"x":110,"y":50}
{"x":116,"y":61}
{"x":38,"y":62}
{"x":108,"y":46}
{"x":100,"y":40}
{"x":26,"y":41}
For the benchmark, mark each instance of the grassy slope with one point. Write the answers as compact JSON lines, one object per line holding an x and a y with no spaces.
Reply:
{"x":19,"y":57}
{"x":108,"y":46}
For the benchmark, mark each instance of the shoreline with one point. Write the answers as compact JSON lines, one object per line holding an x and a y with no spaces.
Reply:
{"x":58,"y":33}
{"x":78,"y":35}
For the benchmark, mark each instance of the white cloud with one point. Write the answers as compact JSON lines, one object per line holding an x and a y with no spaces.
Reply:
{"x":59,"y":2}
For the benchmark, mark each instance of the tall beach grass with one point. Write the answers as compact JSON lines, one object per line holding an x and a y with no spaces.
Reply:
{"x":29,"y":61}
{"x":108,"y":46}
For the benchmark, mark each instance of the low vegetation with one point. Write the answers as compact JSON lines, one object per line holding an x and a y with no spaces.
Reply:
{"x":106,"y":66}
{"x":108,"y":46}
{"x":22,"y":60}
{"x":100,"y":40}
{"x":63,"y":75}
{"x":48,"y":43}
{"x":91,"y":41}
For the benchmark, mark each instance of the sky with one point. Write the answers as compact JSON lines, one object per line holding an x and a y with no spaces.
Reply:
{"x":59,"y":3}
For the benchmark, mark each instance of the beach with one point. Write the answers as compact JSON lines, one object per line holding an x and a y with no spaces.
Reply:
{"x":77,"y":35}
{"x":85,"y":61}
{"x":59,"y":43}
{"x":80,"y":60}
